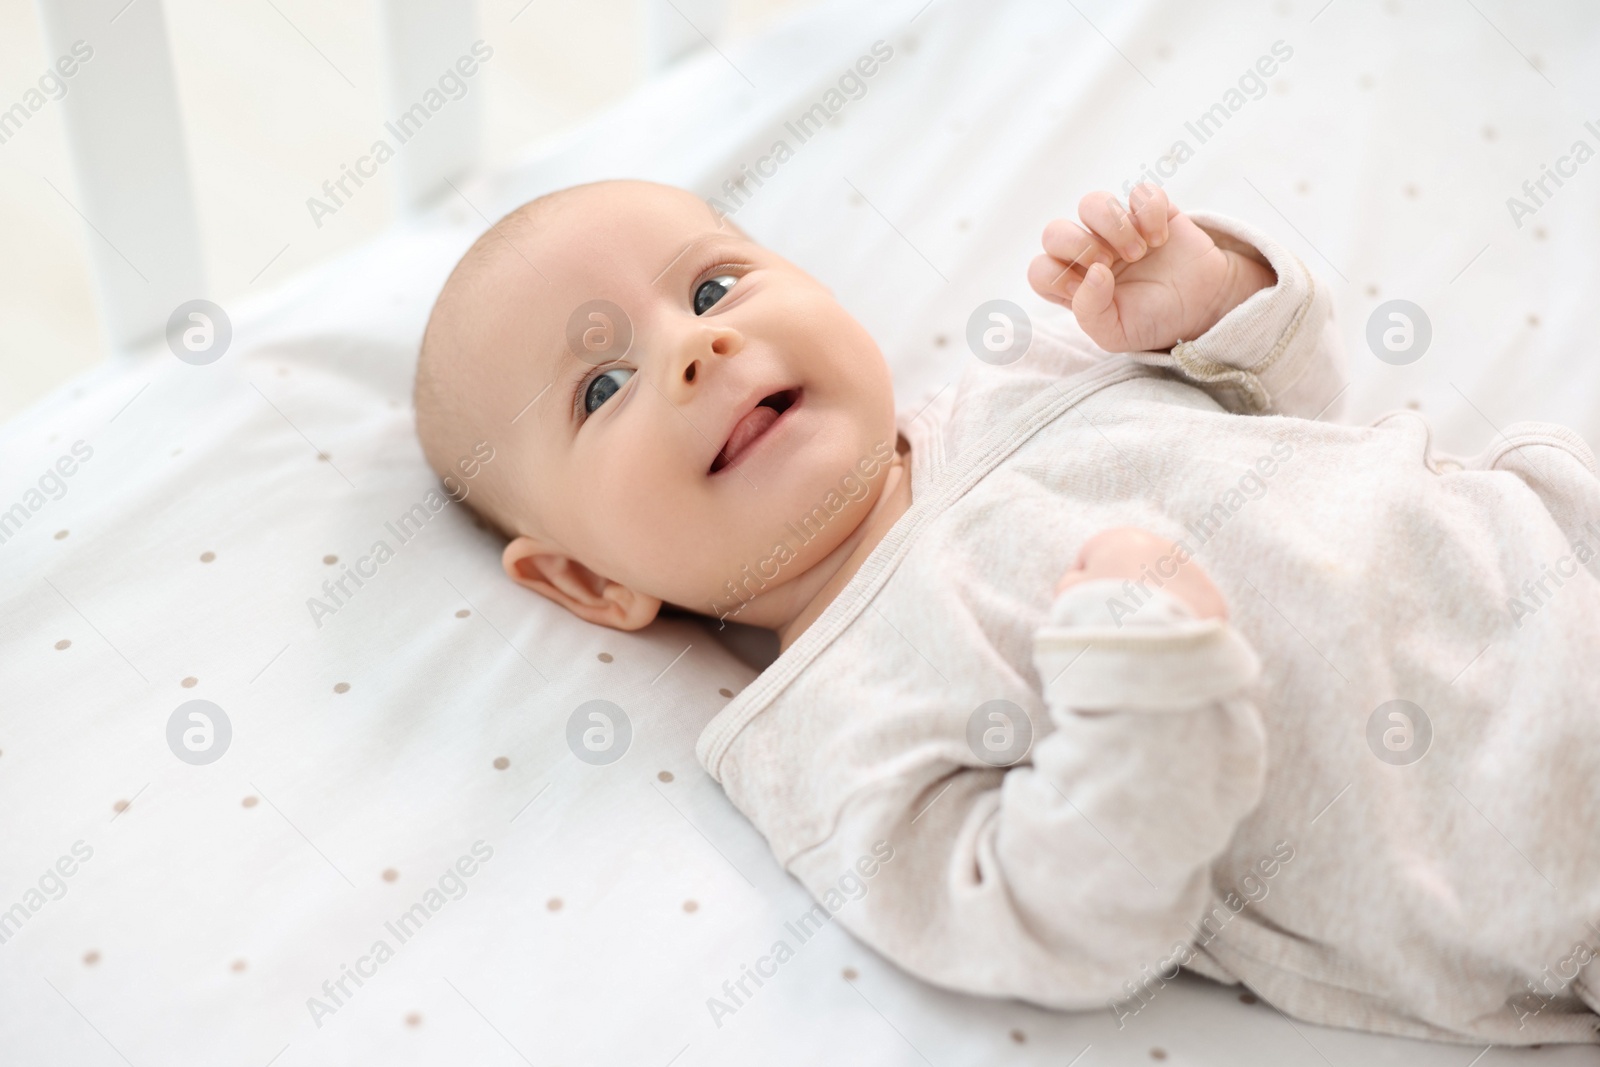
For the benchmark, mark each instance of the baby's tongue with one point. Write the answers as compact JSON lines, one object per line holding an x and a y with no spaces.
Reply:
{"x":749,"y":428}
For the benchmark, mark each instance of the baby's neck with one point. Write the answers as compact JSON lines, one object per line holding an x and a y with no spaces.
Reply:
{"x":795,"y":605}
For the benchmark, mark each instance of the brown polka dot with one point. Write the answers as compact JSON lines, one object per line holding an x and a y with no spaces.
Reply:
{"x":665,"y":776}
{"x":238,"y":965}
{"x":463,"y":613}
{"x":849,"y":974}
{"x":1018,"y":1036}
{"x":341,"y":687}
{"x":413,"y":1019}
{"x":207,"y":557}
{"x":1367,"y":81}
{"x":941,"y":340}
{"x":1281,"y":87}
{"x":190,"y":682}
{"x":249,"y":802}
{"x":605,"y":657}
{"x":61,"y":535}
{"x":501,"y":763}
{"x":962,"y":224}
{"x":1488,"y":133}
{"x":1533,"y":320}
{"x":691,"y":906}
{"x":1302,"y":187}
{"x":62,"y":644}
{"x":1163,"y":52}
{"x":330,"y":559}
{"x":322,"y":457}
{"x":1412,"y":191}
{"x":1539,"y":233}
{"x":1248,"y":998}
{"x":1372,"y":290}
{"x":554,"y":903}
{"x":91,"y":958}
{"x":1158,"y":1053}
{"x":725,"y":692}
{"x":283,"y":372}
{"x":390,"y":874}
{"x":1413,"y":404}
{"x":120,"y":806}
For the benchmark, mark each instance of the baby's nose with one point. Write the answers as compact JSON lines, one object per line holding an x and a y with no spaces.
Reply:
{"x":703,"y":348}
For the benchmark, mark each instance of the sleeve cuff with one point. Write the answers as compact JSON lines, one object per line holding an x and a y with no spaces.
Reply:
{"x":1263,"y":355}
{"x":1103,"y":649}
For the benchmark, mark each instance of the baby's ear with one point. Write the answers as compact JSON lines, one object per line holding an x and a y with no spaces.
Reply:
{"x":546,"y":570}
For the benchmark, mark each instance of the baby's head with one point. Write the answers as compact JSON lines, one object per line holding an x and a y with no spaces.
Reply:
{"x":619,"y":346}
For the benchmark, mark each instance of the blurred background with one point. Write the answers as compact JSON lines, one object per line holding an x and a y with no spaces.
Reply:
{"x":277,"y":95}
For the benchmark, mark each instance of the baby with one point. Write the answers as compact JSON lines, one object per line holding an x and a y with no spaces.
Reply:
{"x":1353,"y":762}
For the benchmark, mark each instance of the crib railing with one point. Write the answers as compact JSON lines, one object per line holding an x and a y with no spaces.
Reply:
{"x":125,"y":133}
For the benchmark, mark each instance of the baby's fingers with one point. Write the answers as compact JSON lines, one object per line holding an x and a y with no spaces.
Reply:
{"x":1107,"y":219}
{"x":1054,"y":280}
{"x":1074,"y":577}
{"x":1076,"y":247}
{"x":1151,"y":209}
{"x":1096,"y":311}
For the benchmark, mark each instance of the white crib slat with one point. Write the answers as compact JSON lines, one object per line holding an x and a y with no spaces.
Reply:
{"x":675,"y":28}
{"x":430,"y":46}
{"x":130,"y":165}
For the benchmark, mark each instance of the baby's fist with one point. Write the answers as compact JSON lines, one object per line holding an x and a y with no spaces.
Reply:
{"x":1129,"y":553}
{"x":1141,"y":278}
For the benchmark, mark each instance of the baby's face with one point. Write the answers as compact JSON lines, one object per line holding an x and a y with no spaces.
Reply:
{"x":742,"y":406}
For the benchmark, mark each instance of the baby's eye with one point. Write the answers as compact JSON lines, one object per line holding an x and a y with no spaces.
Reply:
{"x":711,"y":290}
{"x":599,"y":390}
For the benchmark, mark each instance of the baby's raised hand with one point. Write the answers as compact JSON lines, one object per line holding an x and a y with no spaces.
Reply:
{"x":1141,"y":280}
{"x":1132,"y":554}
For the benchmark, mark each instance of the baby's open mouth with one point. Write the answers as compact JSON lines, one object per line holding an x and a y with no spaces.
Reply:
{"x":755,"y":423}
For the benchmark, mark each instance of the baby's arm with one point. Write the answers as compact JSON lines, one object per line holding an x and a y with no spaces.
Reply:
{"x":1061,"y":879}
{"x":1218,"y":302}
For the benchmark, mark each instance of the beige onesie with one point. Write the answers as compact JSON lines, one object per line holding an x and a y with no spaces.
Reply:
{"x":1372,"y":796}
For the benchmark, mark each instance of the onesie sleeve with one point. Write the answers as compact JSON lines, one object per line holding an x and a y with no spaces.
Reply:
{"x":1067,"y":877}
{"x":1277,"y":353}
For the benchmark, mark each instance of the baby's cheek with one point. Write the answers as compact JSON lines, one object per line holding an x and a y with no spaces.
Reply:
{"x":657,"y":506}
